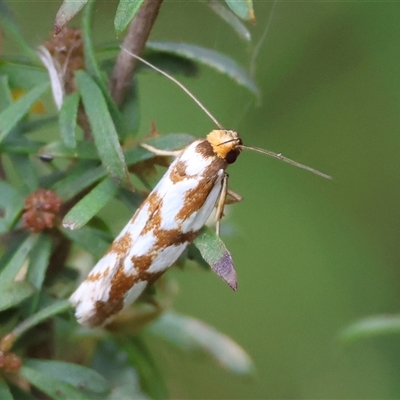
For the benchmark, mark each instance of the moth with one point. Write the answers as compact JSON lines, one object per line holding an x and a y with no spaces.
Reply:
{"x":168,"y":220}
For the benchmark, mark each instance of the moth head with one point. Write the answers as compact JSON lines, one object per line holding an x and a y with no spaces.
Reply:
{"x":226,"y":144}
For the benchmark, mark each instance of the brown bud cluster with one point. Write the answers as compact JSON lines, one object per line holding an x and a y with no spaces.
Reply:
{"x":41,"y":207}
{"x":67,"y":50}
{"x":10,"y":362}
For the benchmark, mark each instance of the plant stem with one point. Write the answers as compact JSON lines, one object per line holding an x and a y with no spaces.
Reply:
{"x":134,"y":41}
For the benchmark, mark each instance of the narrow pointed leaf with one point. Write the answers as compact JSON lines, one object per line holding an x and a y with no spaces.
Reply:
{"x":68,"y":114}
{"x":190,"y":334}
{"x":79,"y":178}
{"x":91,"y":204}
{"x":66,"y":12}
{"x":93,"y":67}
{"x":211,"y":58}
{"x":231,"y":19}
{"x":58,"y":307}
{"x":103,"y":129}
{"x":11,"y":202}
{"x":5,"y":93}
{"x":39,"y":261}
{"x":82,"y":150}
{"x":55,"y":389}
{"x":22,"y":75}
{"x":214,"y":252}
{"x":13,"y":265}
{"x":92,"y":240}
{"x":39,"y":258}
{"x":16,"y":111}
{"x":23,"y":167}
{"x":126,"y":11}
{"x":80,"y":377}
{"x":13,"y":293}
{"x":243,"y":9}
{"x":20,"y":145}
{"x":371,"y":327}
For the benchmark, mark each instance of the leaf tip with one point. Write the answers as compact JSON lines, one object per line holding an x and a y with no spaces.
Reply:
{"x":71,"y":225}
{"x":224,"y":268}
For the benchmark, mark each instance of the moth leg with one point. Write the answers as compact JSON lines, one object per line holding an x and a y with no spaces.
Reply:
{"x":163,"y":153}
{"x":233,"y":197}
{"x":221,"y":203}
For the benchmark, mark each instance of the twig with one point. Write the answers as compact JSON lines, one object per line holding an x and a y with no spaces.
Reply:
{"x":134,"y":41}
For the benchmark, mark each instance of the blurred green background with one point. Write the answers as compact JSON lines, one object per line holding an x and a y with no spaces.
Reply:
{"x":312,"y":255}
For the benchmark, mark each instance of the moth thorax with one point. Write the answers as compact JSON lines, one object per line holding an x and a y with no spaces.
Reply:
{"x":225,"y":144}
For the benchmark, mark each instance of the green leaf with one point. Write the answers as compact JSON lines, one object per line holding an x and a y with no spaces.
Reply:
{"x":19,"y":144}
{"x":126,"y":10}
{"x":16,"y":111}
{"x":231,"y":19}
{"x":13,"y":293}
{"x":23,"y":167}
{"x":39,"y":257}
{"x":66,"y":12}
{"x":12,"y":266}
{"x":56,"y":389}
{"x":90,"y":205}
{"x":58,"y":307}
{"x":92,"y":65}
{"x":92,"y":240}
{"x":243,"y":9}
{"x":83,"y":150}
{"x":103,"y":129}
{"x":5,"y":93}
{"x":68,"y":114}
{"x":378,"y":325}
{"x":23,"y":75}
{"x":80,"y":177}
{"x":80,"y":377}
{"x":39,"y":260}
{"x":5,"y":393}
{"x":214,"y":252}
{"x":190,"y":334}
{"x":213,"y":59}
{"x":11,"y":202}
{"x":30,"y":126}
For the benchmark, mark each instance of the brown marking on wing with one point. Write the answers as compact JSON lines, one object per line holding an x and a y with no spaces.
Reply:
{"x":166,"y":238}
{"x":94,"y":277}
{"x":153,"y":199}
{"x":195,"y":198}
{"x":178,"y":173}
{"x":141,"y":263}
{"x":122,"y":245}
{"x":150,"y":277}
{"x":119,"y":286}
{"x":205,"y":149}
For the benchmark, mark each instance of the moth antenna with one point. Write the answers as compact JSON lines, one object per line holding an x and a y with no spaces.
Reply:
{"x":184,"y":88}
{"x":279,"y":156}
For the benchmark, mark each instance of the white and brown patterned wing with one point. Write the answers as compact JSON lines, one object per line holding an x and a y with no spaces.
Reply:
{"x":163,"y":226}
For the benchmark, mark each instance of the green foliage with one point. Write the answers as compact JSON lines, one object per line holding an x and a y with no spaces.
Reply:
{"x":52,"y":189}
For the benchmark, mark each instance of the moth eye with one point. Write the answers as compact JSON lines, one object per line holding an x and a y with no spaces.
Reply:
{"x":232,"y":156}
